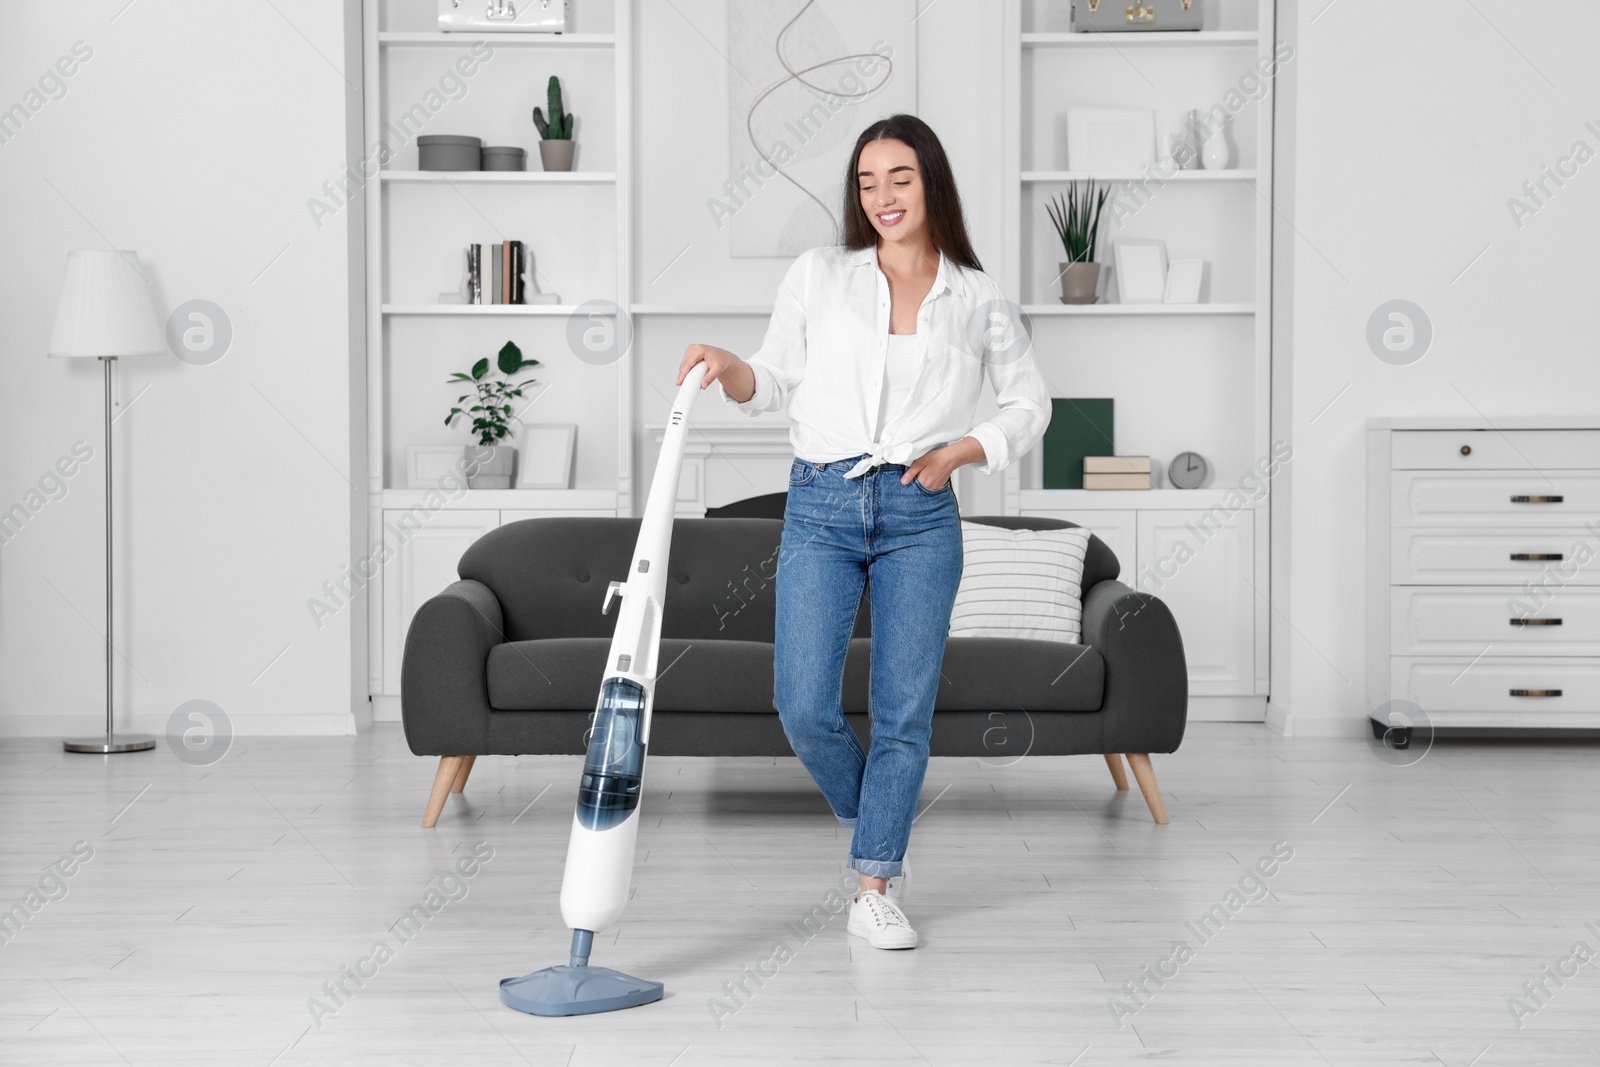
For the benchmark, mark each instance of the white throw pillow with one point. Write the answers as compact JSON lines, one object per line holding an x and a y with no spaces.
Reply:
{"x":1020,"y":583}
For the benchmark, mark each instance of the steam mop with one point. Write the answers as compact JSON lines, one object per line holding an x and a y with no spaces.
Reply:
{"x":605,"y":825}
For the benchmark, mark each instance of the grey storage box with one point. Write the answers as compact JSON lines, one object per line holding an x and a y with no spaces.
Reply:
{"x":501,"y":158}
{"x":1115,"y":16}
{"x":444,"y":151}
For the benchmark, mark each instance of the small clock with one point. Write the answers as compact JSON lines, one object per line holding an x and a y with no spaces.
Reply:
{"x":1188,"y":470}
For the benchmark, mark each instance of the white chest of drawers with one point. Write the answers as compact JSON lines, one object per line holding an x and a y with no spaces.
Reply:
{"x":1483,"y":556}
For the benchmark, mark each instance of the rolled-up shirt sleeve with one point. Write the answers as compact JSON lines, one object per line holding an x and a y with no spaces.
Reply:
{"x":1024,"y":398}
{"x":781,"y":360}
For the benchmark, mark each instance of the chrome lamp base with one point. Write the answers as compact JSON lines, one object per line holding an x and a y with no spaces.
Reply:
{"x":110,"y":743}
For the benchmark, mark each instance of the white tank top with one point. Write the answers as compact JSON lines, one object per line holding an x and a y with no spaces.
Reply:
{"x":900,"y":366}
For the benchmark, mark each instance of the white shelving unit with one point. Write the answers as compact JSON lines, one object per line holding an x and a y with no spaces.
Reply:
{"x":1184,"y":377}
{"x":489,"y":177}
{"x":418,"y":223}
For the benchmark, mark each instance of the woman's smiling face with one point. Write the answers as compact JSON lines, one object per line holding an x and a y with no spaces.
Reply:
{"x":891,"y":189}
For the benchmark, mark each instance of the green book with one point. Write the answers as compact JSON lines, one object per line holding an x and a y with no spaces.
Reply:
{"x":1078,"y":427}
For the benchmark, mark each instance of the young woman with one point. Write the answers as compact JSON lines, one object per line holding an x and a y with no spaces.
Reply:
{"x":878,"y":348}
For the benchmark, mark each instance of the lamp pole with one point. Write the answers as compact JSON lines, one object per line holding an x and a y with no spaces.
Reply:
{"x":111,"y":742}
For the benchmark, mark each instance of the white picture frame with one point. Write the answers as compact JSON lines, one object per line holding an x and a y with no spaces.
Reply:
{"x":544,"y":455}
{"x":1141,"y":271}
{"x":1183,"y":281}
{"x":428,"y":465}
{"x":1118,"y":139}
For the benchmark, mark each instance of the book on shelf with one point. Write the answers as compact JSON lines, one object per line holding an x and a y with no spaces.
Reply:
{"x":1116,"y":464}
{"x":494,"y":273}
{"x":1116,"y":481}
{"x":1079,"y":427}
{"x":516,"y":290}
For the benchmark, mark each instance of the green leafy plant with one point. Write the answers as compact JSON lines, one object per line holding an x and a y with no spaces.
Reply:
{"x":1077,"y":220}
{"x":491,"y":415}
{"x":559,"y":125}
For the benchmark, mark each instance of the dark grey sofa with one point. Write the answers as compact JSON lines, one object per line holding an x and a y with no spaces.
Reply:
{"x":508,"y":660}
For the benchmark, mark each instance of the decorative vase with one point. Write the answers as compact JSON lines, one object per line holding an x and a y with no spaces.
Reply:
{"x":489,"y":466}
{"x":556,"y":155}
{"x":1218,"y":153}
{"x":1078,"y":282}
{"x":1192,"y":140}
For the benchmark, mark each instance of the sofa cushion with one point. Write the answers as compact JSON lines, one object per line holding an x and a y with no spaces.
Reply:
{"x":1020,"y":583}
{"x":564,"y":673}
{"x":979,"y":674}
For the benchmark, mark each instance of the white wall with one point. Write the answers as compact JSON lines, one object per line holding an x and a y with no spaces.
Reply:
{"x":1414,"y":124}
{"x":194,"y":140}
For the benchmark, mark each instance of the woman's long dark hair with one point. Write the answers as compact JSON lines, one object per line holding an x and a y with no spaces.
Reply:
{"x":947,"y":225}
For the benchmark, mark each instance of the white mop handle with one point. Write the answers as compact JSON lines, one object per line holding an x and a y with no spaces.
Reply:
{"x":662,"y":501}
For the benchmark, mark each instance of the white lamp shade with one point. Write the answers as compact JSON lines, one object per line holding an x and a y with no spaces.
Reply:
{"x":105,"y":308}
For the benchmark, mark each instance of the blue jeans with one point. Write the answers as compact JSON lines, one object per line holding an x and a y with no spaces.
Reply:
{"x":839,"y":534}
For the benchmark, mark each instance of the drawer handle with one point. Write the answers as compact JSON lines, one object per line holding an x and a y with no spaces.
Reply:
{"x":1537,"y":499}
{"x":1537,"y":555}
{"x":1535,"y":692}
{"x":1535,"y":622}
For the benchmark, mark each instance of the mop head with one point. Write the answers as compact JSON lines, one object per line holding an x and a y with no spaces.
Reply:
{"x":565,"y":990}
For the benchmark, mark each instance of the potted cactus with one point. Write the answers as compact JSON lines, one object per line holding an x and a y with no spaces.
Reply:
{"x":555,"y":148}
{"x":1077,"y":222}
{"x":489,"y":462}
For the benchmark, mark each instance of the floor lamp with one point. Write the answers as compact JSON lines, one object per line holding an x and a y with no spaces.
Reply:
{"x":106,"y":312}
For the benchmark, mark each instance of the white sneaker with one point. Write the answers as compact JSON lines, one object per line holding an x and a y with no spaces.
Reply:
{"x":881,"y":922}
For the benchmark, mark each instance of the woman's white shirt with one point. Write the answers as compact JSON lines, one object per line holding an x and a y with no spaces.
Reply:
{"x":826,"y":349}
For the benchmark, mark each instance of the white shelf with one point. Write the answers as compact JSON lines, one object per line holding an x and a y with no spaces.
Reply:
{"x":1140,"y":38}
{"x":479,"y":309}
{"x":1133,"y":176}
{"x":1139,"y":309}
{"x":701,"y":309}
{"x":499,"y":177}
{"x":549,"y":40}
{"x":1036,"y":500}
{"x":507,"y":499}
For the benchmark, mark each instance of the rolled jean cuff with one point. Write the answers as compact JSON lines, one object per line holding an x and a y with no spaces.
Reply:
{"x":848,"y":824}
{"x":876,"y":868}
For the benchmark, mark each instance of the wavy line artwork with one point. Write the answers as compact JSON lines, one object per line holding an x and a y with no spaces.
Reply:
{"x":810,"y":75}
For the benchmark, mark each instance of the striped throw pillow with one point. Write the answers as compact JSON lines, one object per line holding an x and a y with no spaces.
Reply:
{"x":1020,"y":583}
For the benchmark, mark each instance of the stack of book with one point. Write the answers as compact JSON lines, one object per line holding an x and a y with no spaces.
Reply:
{"x":507,"y":264}
{"x":1116,"y":472}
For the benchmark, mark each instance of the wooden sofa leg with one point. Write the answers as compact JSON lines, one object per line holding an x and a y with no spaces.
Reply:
{"x":449,"y":767}
{"x":1114,"y":761}
{"x":461,"y":775}
{"x":1140,"y":762}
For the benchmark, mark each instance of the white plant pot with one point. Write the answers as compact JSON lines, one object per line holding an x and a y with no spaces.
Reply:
{"x":489,"y":467}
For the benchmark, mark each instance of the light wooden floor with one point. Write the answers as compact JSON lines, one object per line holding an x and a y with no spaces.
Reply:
{"x":219,"y":900}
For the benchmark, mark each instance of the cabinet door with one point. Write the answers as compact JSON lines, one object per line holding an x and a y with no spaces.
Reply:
{"x":1201,"y":567}
{"x":420,"y":569}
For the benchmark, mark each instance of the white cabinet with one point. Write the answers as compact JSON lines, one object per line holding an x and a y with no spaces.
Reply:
{"x":1200,"y":567}
{"x":1481,"y":549}
{"x":422,"y":566}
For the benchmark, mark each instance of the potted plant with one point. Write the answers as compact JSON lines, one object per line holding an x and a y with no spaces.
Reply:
{"x":489,"y":463}
{"x":555,"y":148}
{"x":1077,"y":221}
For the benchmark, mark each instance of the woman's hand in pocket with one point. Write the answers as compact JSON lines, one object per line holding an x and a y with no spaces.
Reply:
{"x":934,"y":468}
